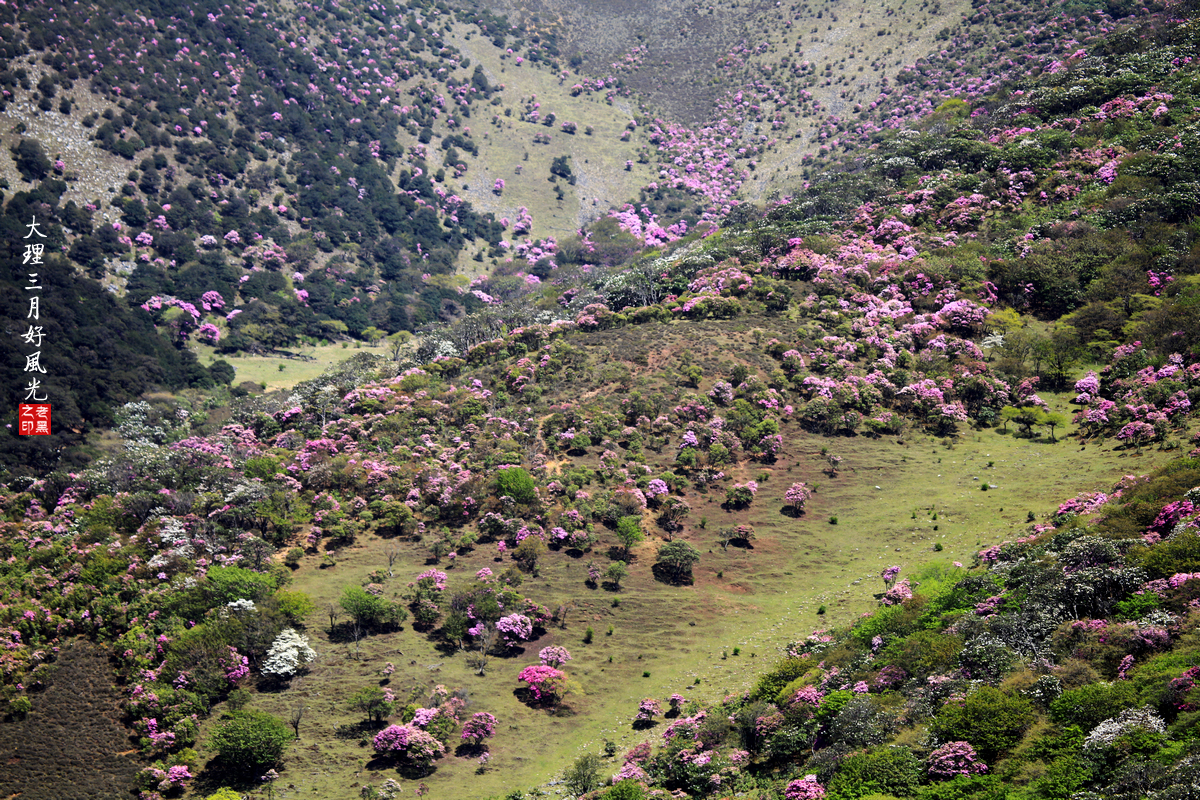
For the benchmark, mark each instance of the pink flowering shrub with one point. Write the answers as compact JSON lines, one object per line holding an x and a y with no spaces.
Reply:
{"x":208,"y":333}
{"x":898,"y":594}
{"x":740,"y":495}
{"x":797,"y":496}
{"x":805,"y":788}
{"x":648,"y":709}
{"x":554,"y":656}
{"x":409,"y":744}
{"x":544,"y":682}
{"x":515,"y":628}
{"x":889,"y":576}
{"x":954,"y":758}
{"x":479,"y":727}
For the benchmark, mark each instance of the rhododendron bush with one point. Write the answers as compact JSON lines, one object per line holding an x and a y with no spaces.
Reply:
{"x":545,"y":682}
{"x":409,"y":744}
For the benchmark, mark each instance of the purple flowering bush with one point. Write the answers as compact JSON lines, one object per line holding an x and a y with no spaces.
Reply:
{"x":954,"y":758}
{"x":409,"y":745}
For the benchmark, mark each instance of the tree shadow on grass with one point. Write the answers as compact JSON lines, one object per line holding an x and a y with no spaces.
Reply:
{"x":664,"y":574}
{"x":405,"y":769}
{"x":218,"y":774}
{"x":273,"y":684}
{"x":356,"y":730}
{"x":470,"y":750}
{"x":548,"y":702}
{"x":343,"y":632}
{"x":447,"y":649}
{"x":792,"y":512}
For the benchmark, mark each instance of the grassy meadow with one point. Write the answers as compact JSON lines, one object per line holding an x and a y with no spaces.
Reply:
{"x":895,"y":499}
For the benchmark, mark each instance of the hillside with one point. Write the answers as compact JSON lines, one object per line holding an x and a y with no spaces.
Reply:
{"x":617,"y":479}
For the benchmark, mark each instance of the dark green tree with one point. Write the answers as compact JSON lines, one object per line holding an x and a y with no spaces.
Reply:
{"x":584,"y":775}
{"x":677,"y":558}
{"x":251,"y":742}
{"x":31,"y":160}
{"x":989,"y":719}
{"x":516,"y":483}
{"x":629,"y":532}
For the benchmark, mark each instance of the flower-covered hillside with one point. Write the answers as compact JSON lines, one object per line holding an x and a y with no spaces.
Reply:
{"x":1059,"y":665}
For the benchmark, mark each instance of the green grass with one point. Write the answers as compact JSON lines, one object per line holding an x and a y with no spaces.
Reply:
{"x":266,"y":369}
{"x":764,"y":598}
{"x":598,"y":160}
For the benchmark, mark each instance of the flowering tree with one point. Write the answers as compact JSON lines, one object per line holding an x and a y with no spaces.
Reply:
{"x":898,"y":594}
{"x":648,"y":709}
{"x":409,"y":744}
{"x":544,"y":682}
{"x":1137,"y":434}
{"x":797,"y":496}
{"x":805,"y":788}
{"x":889,"y":577}
{"x":554,"y":656}
{"x":375,"y":703}
{"x":208,"y":333}
{"x":738,"y":533}
{"x":515,"y":628}
{"x":479,"y":727}
{"x":740,"y":495}
{"x":288,"y":654}
{"x":166,"y":781}
{"x":954,"y":758}
{"x":673,"y":510}
{"x":1107,"y":732}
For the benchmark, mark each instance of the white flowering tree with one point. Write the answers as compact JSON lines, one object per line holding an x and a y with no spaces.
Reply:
{"x":288,"y":654}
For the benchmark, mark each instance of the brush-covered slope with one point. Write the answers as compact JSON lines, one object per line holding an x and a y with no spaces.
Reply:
{"x":633,"y":472}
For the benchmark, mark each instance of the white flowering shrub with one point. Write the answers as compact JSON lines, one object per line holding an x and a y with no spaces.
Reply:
{"x":1107,"y":732}
{"x":289,"y":652}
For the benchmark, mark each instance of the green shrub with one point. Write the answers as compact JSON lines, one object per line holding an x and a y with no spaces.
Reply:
{"x":1136,"y":606}
{"x":889,"y":622}
{"x":251,"y":741}
{"x":678,"y":558}
{"x":888,"y":770}
{"x":19,"y":706}
{"x":629,"y":531}
{"x":295,"y":605}
{"x":224,"y":794}
{"x":924,"y":652}
{"x":371,"y":610}
{"x":516,"y":483}
{"x":226,"y":584}
{"x":1091,"y":704}
{"x":771,"y":683}
{"x":584,"y":775}
{"x":989,"y":719}
{"x":976,"y":787}
{"x":262,"y":467}
{"x":627,"y":789}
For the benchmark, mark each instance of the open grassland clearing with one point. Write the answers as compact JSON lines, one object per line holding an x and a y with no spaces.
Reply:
{"x":895,"y":499}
